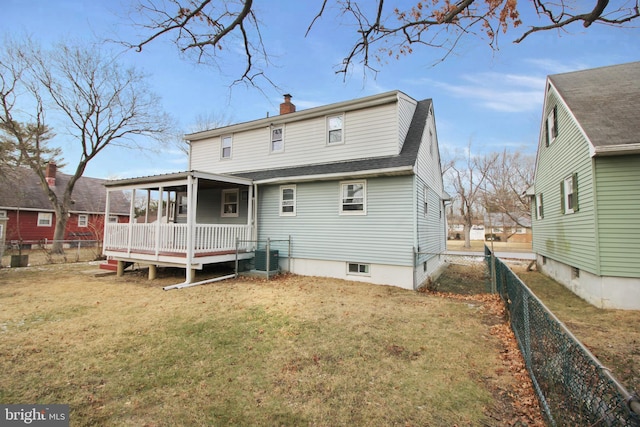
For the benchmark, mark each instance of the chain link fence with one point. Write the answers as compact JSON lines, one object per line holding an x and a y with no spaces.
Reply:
{"x":573,"y":387}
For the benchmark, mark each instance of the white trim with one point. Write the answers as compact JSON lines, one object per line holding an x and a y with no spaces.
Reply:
{"x":48,"y":216}
{"x":342,"y":185}
{"x":84,"y":223}
{"x":612,"y":150}
{"x":328,"y":129}
{"x":223,"y":202}
{"x":271,"y":140}
{"x":281,"y":204}
{"x":222,"y":147}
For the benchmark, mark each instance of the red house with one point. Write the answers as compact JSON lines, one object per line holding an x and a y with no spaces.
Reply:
{"x":27,"y":217}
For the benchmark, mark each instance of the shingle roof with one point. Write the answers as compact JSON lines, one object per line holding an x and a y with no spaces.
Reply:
{"x":605,"y":101}
{"x":20,"y":188}
{"x":406,"y":158}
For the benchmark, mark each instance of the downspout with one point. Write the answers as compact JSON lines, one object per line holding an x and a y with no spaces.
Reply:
{"x":416,"y":248}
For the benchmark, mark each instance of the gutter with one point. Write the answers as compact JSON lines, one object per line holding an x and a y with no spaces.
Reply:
{"x":402,"y":170}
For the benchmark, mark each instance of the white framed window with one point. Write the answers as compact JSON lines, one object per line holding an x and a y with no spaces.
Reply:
{"x":3,"y":214}
{"x":353,"y":198}
{"x":335,"y":129}
{"x":539,"y":207}
{"x":569,"y":194}
{"x":277,"y":139}
{"x":183,"y":204}
{"x":230,"y":203}
{"x":226,"y":147}
{"x":359,"y":269}
{"x":83,"y":220}
{"x":113,"y":219}
{"x":45,"y":219}
{"x":288,"y":200}
{"x":551,"y":126}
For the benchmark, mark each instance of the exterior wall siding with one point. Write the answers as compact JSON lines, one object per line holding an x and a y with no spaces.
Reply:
{"x":618,"y":206}
{"x":383,"y":236}
{"x":569,"y":238}
{"x":23,"y":225}
{"x":372,"y":130}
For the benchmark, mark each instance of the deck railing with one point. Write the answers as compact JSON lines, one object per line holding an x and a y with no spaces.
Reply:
{"x":172,"y":238}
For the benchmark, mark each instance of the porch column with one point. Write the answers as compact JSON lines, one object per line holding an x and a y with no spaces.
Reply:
{"x":192,"y":188}
{"x":131,"y":216}
{"x":107,"y":209}
{"x":159,"y":215}
{"x":250,"y":213}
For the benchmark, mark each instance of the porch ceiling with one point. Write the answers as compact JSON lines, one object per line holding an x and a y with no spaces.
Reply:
{"x":178,"y":180}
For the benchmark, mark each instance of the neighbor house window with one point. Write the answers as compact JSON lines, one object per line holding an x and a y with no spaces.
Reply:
{"x":230,"y":203}
{"x":551,"y":126}
{"x":569,"y":194}
{"x":358,"y":268}
{"x":277,"y":139}
{"x":45,"y":219}
{"x":227,"y":142}
{"x":3,"y":214}
{"x":83,"y":220}
{"x":113,"y":219}
{"x":539,"y":209}
{"x":288,"y":200}
{"x":335,"y":129}
{"x":353,"y":197}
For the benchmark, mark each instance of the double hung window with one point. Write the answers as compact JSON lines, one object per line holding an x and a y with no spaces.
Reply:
{"x":353,"y":198}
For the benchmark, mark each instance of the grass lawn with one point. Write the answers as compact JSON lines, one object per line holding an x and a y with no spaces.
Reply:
{"x":290,"y":351}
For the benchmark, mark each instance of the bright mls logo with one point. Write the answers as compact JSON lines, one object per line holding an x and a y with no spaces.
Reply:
{"x":34,"y":415}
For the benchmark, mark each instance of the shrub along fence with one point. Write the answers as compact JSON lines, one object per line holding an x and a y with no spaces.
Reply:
{"x":573,"y":387}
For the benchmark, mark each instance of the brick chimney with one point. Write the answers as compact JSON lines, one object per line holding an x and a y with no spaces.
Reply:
{"x":287,"y":107}
{"x":50,"y":174}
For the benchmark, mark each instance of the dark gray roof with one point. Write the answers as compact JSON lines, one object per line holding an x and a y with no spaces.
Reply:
{"x":407,"y":156}
{"x":21,"y":188}
{"x":605,"y":101}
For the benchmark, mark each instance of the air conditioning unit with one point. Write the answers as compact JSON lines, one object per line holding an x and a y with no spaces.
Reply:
{"x":261,"y":260}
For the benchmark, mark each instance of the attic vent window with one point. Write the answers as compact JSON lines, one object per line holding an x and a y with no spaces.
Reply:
{"x":551,"y":126}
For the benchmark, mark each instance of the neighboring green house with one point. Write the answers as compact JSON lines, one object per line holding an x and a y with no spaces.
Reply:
{"x":586,"y":210}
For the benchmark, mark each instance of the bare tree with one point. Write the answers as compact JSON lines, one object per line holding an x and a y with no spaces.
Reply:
{"x":383,"y":30}
{"x":467,"y":178}
{"x":510,"y":175}
{"x":100,"y":103}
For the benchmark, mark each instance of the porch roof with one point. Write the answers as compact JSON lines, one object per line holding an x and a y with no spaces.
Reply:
{"x":176,"y":178}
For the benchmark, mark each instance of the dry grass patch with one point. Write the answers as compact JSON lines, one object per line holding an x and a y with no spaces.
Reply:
{"x":291,"y":351}
{"x":613,"y":336}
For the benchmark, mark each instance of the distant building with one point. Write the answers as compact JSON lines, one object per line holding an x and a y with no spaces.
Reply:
{"x":27,"y":217}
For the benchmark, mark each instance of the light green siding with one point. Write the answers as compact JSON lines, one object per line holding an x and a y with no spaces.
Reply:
{"x":384,"y":235}
{"x":618,"y":206}
{"x":569,"y":238}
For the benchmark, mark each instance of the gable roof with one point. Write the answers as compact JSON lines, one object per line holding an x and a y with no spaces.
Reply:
{"x":605,"y":102}
{"x":402,"y":163}
{"x":21,"y":188}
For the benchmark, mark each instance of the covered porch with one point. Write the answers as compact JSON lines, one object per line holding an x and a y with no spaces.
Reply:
{"x":186,"y":219}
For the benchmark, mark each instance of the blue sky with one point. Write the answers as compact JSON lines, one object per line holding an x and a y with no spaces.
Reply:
{"x":492,"y":99}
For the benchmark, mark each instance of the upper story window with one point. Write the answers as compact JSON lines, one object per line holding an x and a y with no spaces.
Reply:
{"x":539,"y":209}
{"x":113,"y":219}
{"x":288,"y":200}
{"x":3,"y":214}
{"x":425,"y":199}
{"x":277,"y":139}
{"x":230,"y":203}
{"x":569,"y":194}
{"x":551,"y":126}
{"x":45,"y":219}
{"x":226,"y":145}
{"x":83,"y":220}
{"x":335,"y":129}
{"x":353,"y":198}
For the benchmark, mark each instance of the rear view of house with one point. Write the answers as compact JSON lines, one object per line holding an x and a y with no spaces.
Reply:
{"x":356,"y":187}
{"x":586,"y":210}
